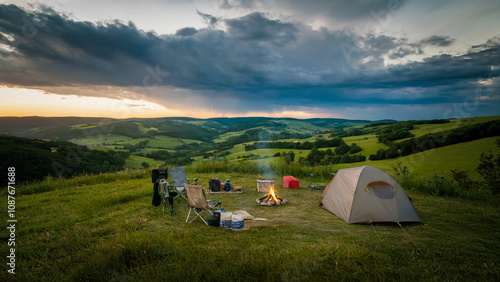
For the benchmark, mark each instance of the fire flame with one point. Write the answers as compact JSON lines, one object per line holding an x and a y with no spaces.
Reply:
{"x":271,"y":192}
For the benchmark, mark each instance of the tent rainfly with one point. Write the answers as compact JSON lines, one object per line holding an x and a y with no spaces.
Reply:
{"x":366,"y":194}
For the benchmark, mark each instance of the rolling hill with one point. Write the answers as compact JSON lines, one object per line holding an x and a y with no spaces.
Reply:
{"x":181,"y":138}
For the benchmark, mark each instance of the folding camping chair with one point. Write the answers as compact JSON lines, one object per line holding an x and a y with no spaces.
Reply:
{"x":198,"y":202}
{"x":178,"y":176}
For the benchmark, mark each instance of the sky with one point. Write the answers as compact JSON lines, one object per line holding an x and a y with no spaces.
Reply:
{"x":357,"y":59}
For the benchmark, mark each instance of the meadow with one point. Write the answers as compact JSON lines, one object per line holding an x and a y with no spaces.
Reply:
{"x":103,"y":227}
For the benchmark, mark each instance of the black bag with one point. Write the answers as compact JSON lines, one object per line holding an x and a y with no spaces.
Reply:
{"x":213,"y":221}
{"x":156,"y":196}
{"x":214,"y":184}
{"x":158,"y":173}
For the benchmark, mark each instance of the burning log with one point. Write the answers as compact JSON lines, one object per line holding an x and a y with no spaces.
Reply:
{"x":271,"y":199}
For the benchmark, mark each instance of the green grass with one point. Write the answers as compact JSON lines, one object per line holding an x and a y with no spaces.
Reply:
{"x":109,"y":147}
{"x":440,"y":161}
{"x":422,"y":129}
{"x":149,"y":150}
{"x":300,"y":126}
{"x":107,"y":229}
{"x":369,"y":144}
{"x":226,"y":136}
{"x":136,"y":161}
{"x":108,"y":138}
{"x":161,"y":141}
{"x":144,"y":129}
{"x":169,"y":142}
{"x":270,"y":153}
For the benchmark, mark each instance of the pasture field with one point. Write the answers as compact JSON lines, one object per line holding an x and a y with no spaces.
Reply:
{"x":107,"y":138}
{"x":422,"y":129}
{"x":440,"y":161}
{"x":136,"y":161}
{"x":160,"y":142}
{"x":105,"y":228}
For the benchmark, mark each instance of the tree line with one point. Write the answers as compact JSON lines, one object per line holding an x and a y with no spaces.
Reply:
{"x":36,"y":159}
{"x":320,"y":143}
{"x":439,"y":139}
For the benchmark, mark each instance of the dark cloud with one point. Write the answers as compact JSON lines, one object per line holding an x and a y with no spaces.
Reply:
{"x":208,"y":19}
{"x":491,"y":43}
{"x":336,"y":10}
{"x":236,"y":4}
{"x":256,"y":27}
{"x":437,"y":40}
{"x":402,"y":48}
{"x":187,"y":31}
{"x":256,"y":64}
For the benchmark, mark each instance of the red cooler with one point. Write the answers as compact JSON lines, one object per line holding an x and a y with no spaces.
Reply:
{"x":290,"y":182}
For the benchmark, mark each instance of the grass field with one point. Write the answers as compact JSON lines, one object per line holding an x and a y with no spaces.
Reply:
{"x":369,"y":144}
{"x":440,"y":161}
{"x":136,"y":161}
{"x":422,"y":129}
{"x":226,"y":136}
{"x":107,"y":229}
{"x":160,"y":141}
{"x":300,"y":126}
{"x":108,"y":138}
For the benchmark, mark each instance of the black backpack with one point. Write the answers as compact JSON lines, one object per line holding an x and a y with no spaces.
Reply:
{"x":214,"y":184}
{"x":158,"y":173}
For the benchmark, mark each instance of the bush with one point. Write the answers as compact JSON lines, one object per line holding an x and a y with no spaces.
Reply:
{"x":342,"y":149}
{"x":489,"y":168}
{"x":355,"y":149}
{"x":380,"y":155}
{"x":437,"y":185}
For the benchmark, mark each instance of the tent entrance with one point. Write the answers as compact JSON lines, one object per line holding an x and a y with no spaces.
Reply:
{"x":381,"y":189}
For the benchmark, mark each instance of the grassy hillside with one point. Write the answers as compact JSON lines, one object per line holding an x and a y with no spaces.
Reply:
{"x":100,"y":139}
{"x":440,"y":161}
{"x":105,"y":228}
{"x":136,"y":161}
{"x":423,"y":129}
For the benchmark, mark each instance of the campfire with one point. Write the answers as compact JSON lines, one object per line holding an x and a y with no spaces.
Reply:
{"x":271,"y":199}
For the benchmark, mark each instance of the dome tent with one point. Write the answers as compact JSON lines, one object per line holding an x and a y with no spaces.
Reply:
{"x":366,"y":194}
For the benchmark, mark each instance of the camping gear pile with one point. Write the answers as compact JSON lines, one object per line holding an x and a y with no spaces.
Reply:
{"x":356,"y":195}
{"x":216,"y":186}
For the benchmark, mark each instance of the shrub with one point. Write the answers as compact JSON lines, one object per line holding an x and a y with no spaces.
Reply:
{"x":355,"y":149}
{"x":342,"y":149}
{"x":489,"y":168}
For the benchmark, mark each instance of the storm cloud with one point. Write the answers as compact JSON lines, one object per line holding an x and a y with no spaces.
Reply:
{"x":252,"y":62}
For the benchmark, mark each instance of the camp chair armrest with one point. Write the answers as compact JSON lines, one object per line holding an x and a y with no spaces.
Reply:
{"x":194,"y":179}
{"x":214,"y":202}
